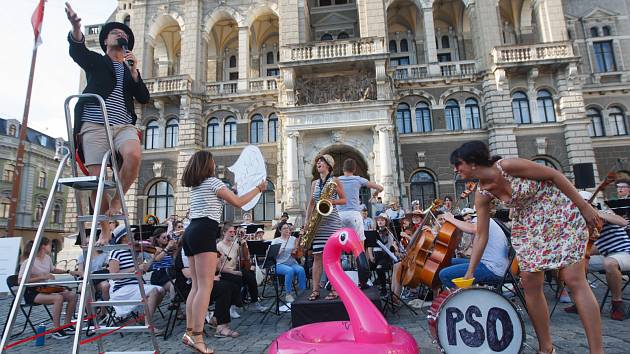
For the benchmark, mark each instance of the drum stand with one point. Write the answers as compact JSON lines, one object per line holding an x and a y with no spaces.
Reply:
{"x":393,"y":301}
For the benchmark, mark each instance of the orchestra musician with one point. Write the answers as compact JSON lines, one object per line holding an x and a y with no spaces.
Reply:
{"x":286,"y":264}
{"x":379,"y":260}
{"x":328,"y":224}
{"x":550,"y":230}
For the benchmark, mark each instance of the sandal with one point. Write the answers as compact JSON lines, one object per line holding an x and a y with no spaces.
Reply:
{"x":197,"y":343}
{"x":187,"y":338}
{"x":314,"y":295}
{"x":213,"y":322}
{"x":332,"y":295}
{"x":226,"y":332}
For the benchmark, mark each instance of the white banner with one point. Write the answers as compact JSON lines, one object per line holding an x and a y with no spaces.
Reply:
{"x":9,"y":256}
{"x":249,"y":170}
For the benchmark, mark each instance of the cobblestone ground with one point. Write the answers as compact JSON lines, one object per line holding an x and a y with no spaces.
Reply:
{"x":255,"y":337}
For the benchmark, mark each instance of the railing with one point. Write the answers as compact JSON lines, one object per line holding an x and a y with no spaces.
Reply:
{"x":266,"y":84}
{"x":441,"y":70}
{"x":333,"y":49}
{"x":92,"y":32}
{"x":411,"y":72}
{"x":457,"y":68}
{"x":530,"y":53}
{"x":169,"y":84}
{"x":221,"y":88}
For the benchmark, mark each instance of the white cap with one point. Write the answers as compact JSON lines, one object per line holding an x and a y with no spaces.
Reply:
{"x":259,"y":230}
{"x":586,"y":195}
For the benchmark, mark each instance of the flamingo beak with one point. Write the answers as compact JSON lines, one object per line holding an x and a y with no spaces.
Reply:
{"x":362,"y":263}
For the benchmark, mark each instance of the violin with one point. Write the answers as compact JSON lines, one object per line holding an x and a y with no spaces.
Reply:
{"x":144,"y":247}
{"x":470,"y":187}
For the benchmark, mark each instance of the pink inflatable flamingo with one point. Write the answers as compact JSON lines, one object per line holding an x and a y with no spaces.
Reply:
{"x":367,"y":331}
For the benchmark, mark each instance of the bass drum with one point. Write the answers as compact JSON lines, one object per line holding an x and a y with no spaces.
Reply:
{"x":476,"y":320}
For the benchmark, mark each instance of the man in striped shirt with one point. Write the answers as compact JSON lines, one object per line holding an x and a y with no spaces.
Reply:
{"x":115,"y":77}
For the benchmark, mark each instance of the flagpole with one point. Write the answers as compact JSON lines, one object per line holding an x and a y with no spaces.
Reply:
{"x":19,"y":160}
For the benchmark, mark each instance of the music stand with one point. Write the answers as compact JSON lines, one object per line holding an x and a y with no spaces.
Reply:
{"x":268,"y":265}
{"x":620,"y":207}
{"x":251,"y":228}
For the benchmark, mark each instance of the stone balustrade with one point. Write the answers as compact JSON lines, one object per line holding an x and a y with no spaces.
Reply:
{"x":333,"y":49}
{"x":263,"y":84}
{"x":532,"y":53}
{"x":169,"y":85}
{"x":465,"y":68}
{"x":221,"y":88}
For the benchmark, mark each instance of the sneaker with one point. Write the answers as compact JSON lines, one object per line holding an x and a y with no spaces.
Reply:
{"x":60,"y":334}
{"x":285,"y":308}
{"x":209,"y":316}
{"x":70,"y":330}
{"x":289,"y":298}
{"x":233,"y":312}
{"x":258,"y":307}
{"x":618,"y":311}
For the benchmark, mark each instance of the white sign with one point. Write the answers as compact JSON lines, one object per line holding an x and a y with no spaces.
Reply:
{"x":249,"y":170}
{"x":10,"y":247}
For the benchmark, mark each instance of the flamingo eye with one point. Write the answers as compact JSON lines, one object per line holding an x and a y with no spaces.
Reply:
{"x":343,"y":237}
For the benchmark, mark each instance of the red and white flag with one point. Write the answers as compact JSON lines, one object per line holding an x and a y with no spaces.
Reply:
{"x":36,"y":21}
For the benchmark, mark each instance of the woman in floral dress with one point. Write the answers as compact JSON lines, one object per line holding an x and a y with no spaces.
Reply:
{"x":551,"y":224}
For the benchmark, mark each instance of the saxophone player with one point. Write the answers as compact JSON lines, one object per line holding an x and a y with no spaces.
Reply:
{"x":328,"y":223}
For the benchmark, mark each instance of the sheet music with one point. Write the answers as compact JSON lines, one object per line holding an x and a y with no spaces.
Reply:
{"x":249,"y":170}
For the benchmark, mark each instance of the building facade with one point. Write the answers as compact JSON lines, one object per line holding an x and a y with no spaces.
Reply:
{"x":396,"y":85}
{"x":38,"y":173}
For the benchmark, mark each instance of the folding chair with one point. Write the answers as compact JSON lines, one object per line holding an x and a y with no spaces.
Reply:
{"x":12,"y":281}
{"x":603,"y":281}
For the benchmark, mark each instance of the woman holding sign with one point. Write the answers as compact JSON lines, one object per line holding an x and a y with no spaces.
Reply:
{"x":207,"y":194}
{"x":550,"y":229}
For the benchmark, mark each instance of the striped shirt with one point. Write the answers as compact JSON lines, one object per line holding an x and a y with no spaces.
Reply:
{"x":612,"y":239}
{"x":125,"y":260}
{"x":165,"y":262}
{"x":204,"y":201}
{"x":115,"y":103}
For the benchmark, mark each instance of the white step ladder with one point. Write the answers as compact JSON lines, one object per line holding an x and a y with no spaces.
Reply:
{"x":87,"y":302}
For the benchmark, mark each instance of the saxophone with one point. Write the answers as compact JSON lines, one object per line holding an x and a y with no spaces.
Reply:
{"x":323,"y":208}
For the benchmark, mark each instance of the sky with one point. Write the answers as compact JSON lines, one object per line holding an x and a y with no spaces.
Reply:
{"x":56,"y":75}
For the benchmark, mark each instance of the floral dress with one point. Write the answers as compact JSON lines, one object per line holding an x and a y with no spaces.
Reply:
{"x":548,"y":230}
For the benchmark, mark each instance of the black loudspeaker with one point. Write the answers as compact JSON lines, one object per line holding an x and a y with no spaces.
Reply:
{"x":584,"y":177}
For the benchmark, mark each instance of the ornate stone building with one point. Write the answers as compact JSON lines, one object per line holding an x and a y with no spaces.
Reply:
{"x":397,"y":85}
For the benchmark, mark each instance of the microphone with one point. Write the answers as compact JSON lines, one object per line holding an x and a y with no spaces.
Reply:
{"x":124,"y":45}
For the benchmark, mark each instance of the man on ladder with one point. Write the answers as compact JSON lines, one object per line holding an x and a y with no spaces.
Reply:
{"x":115,"y":77}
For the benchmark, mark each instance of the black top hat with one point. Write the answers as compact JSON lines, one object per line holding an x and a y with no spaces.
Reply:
{"x":108,"y":27}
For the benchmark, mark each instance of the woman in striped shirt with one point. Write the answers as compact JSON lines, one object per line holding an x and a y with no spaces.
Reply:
{"x":207,"y":194}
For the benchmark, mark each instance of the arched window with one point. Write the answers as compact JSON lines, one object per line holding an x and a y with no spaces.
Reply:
{"x":422,"y":188}
{"x":41,"y":181}
{"x":229,"y":131}
{"x":423,"y":117}
{"x":12,"y":130}
{"x":472,"y":114}
{"x":160,"y":200}
{"x":596,"y":128}
{"x":606,"y":31}
{"x":233,"y":61}
{"x":327,"y":37}
{"x":403,"y":118}
{"x":452,"y":115}
{"x":57,"y":214}
{"x":39,"y":210}
{"x":544,"y":102}
{"x":172,"y":133}
{"x":212,"y":132}
{"x":265,"y":209}
{"x":9,"y":171}
{"x":545,"y":162}
{"x":594,"y":32}
{"x":392,"y":46}
{"x":404,"y":45}
{"x":270,"y":58}
{"x":229,"y":211}
{"x":618,"y":121}
{"x":520,"y":108}
{"x":272,"y":128}
{"x":127,"y":20}
{"x":445,"y":42}
{"x":151,"y":135}
{"x":256,"y":130}
{"x":5,"y":205}
{"x":343,"y":35}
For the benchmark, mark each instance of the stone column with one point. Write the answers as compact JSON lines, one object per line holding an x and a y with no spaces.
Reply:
{"x":385,"y":161}
{"x":498,"y":114}
{"x":292,"y":175}
{"x":243,"y":58}
{"x":190,"y":117}
{"x":550,"y":19}
{"x":430,"y":50}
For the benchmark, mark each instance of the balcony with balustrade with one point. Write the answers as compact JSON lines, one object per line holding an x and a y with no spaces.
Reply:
{"x":255,"y":86}
{"x":334,"y":51}
{"x":169,"y":85}
{"x":466,"y":69}
{"x":555,"y":53}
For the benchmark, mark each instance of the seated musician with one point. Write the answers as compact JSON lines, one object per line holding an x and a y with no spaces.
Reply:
{"x":464,"y":248}
{"x":97,"y":266}
{"x":259,"y":235}
{"x":494,"y":260}
{"x":224,"y":294}
{"x":231,"y":251}
{"x":41,"y":271}
{"x":162,"y":260}
{"x":121,"y":261}
{"x":286,"y":264}
{"x":379,"y":260}
{"x":611,"y":253}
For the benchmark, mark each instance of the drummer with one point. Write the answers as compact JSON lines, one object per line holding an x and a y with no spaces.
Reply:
{"x":494,"y":260}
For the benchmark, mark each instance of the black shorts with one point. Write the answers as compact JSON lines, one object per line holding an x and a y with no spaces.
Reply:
{"x":200,"y":236}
